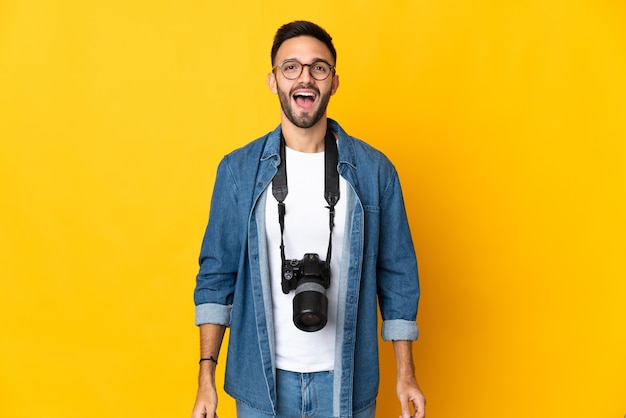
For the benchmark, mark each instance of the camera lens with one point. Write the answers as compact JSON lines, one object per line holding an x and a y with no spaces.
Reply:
{"x":309,"y":307}
{"x":310,"y":320}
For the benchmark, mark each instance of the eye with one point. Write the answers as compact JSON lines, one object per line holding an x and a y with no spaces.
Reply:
{"x":320,"y":70}
{"x":291,"y":67}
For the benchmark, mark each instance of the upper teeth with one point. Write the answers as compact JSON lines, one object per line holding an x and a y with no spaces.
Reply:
{"x":305,"y":94}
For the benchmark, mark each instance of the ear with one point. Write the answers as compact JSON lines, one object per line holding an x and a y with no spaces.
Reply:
{"x":335,"y":84}
{"x":271,"y":82}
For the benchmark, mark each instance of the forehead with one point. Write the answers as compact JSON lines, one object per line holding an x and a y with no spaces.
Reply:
{"x":304,"y":49}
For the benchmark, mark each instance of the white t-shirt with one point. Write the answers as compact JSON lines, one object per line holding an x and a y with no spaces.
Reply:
{"x":306,"y":231}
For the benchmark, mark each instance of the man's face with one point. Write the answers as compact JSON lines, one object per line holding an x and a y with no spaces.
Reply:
{"x":303,"y":100}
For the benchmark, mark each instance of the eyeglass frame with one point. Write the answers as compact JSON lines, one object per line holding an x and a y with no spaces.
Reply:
{"x":280,"y":67}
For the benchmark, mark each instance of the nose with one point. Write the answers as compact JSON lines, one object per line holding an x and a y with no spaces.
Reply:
{"x":305,"y":75}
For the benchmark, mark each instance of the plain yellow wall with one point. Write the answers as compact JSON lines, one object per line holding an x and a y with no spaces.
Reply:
{"x":505,"y":119}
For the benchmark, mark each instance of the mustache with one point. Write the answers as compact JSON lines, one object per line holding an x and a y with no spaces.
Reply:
{"x":305,"y":86}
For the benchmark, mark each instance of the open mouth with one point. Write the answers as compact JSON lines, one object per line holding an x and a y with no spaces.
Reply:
{"x":305,"y":99}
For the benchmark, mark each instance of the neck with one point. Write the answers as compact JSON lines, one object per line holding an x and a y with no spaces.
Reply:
{"x":304,"y":139}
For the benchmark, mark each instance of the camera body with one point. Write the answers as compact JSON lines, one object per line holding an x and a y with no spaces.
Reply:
{"x":309,"y":277}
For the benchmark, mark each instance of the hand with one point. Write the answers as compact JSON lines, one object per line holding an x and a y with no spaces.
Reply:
{"x":206,"y":404}
{"x":409,"y":392}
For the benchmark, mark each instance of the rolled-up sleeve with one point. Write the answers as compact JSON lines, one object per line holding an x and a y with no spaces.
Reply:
{"x":220,"y":252}
{"x":397,"y":276}
{"x":213,"y":313}
{"x":398,"y":329}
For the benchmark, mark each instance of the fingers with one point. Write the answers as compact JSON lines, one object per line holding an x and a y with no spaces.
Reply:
{"x":420,"y":407}
{"x":201,"y":411}
{"x":406,"y":412}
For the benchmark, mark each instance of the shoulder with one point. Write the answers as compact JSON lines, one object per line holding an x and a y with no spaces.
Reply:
{"x":361,"y":155}
{"x":250,"y":155}
{"x":252,"y":150}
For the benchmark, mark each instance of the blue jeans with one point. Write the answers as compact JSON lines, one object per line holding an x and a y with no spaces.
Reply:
{"x":302,"y":395}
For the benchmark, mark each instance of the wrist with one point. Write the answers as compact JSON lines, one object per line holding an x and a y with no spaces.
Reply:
{"x":210,"y":359}
{"x":206,"y":378}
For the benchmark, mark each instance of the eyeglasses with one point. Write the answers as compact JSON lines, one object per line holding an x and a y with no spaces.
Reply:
{"x":292,"y":69}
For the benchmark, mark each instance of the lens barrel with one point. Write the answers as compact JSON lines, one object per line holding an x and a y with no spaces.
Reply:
{"x":310,"y":306}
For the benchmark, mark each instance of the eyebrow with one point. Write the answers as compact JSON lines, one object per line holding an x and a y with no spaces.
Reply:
{"x":314,"y":60}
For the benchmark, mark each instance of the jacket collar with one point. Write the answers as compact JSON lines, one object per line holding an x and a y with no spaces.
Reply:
{"x":345,"y":144}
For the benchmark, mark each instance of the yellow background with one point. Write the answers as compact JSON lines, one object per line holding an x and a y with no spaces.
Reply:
{"x":507,"y":123}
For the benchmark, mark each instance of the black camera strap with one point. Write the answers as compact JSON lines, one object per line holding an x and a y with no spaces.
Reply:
{"x":331,"y":188}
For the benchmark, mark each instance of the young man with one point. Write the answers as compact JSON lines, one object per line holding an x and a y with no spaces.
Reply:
{"x":299,"y":250}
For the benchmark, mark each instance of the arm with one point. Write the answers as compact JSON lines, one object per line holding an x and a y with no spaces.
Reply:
{"x":211,"y":336}
{"x":398,"y":289}
{"x":215,"y":283}
{"x":407,"y":389}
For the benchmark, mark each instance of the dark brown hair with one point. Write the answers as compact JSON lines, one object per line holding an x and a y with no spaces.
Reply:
{"x":302,"y":28}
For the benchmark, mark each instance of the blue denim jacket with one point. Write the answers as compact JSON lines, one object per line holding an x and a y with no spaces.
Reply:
{"x":378,"y":266}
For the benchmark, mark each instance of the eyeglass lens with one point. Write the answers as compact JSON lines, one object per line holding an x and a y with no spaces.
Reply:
{"x":319,"y":70}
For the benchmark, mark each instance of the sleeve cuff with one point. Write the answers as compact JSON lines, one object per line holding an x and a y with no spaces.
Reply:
{"x":213,"y":313}
{"x":399,"y":329}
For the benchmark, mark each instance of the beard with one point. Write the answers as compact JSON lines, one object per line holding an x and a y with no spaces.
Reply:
{"x":307,"y":119}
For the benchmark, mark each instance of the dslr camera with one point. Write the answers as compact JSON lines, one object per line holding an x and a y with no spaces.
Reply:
{"x":309,"y":277}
